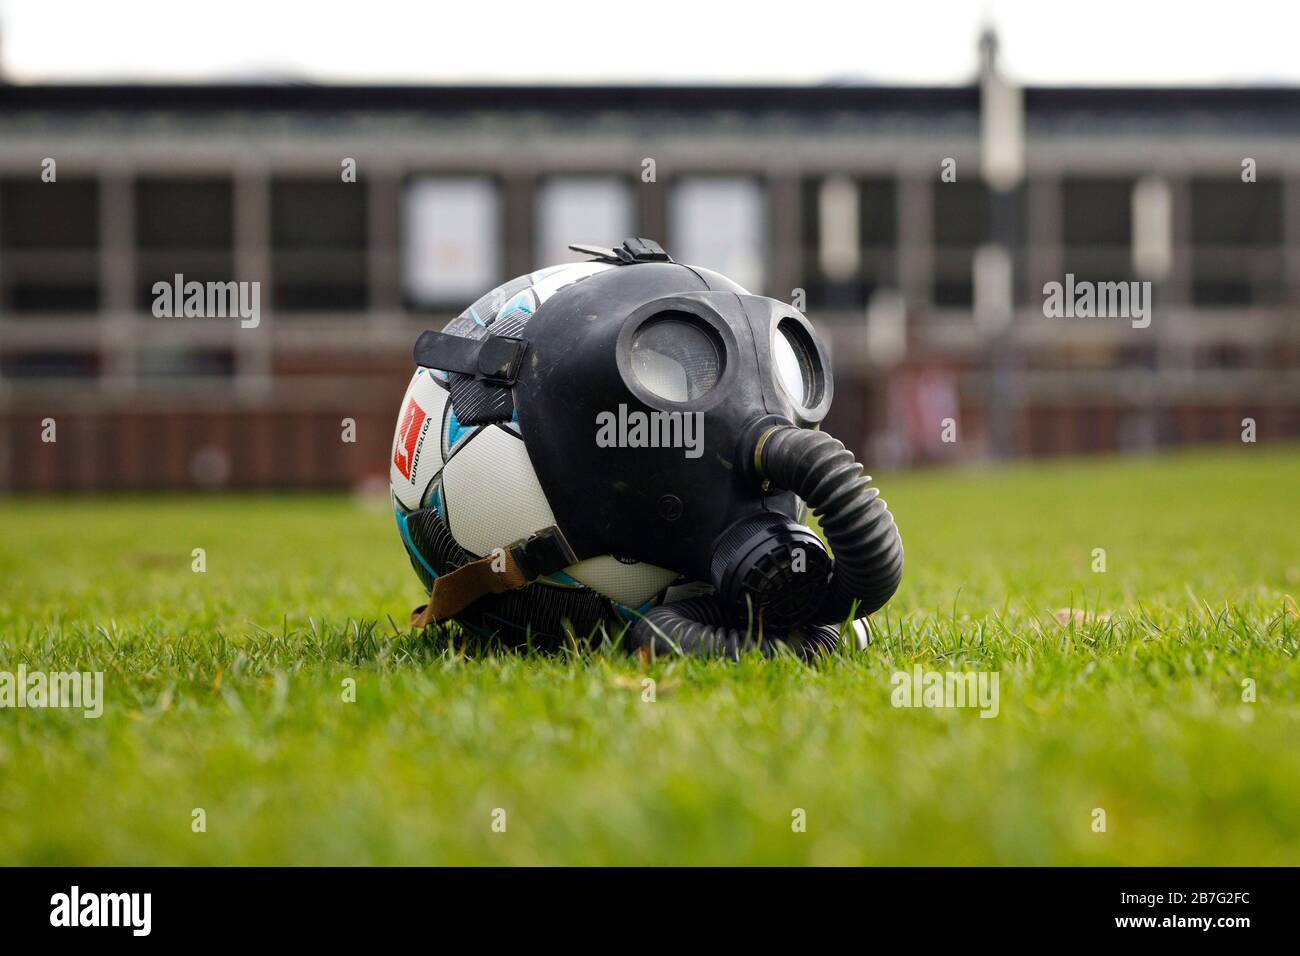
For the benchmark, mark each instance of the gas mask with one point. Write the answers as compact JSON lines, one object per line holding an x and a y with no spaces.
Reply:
{"x":672,"y":418}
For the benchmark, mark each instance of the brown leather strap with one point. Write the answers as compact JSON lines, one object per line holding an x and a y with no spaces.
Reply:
{"x":503,"y":570}
{"x":456,"y":590}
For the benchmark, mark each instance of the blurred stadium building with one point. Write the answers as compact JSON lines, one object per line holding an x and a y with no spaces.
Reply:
{"x":916,"y":226}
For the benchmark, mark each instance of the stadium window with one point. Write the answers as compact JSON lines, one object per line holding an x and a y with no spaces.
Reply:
{"x":596,"y":210}
{"x":1098,"y":212}
{"x":720,"y":223}
{"x":43,"y":364}
{"x":181,"y":366}
{"x":49,"y":237}
{"x":182,"y":226}
{"x":1097,"y":228}
{"x":960,"y":224}
{"x":849,"y":239}
{"x":1233,"y":213}
{"x":452,"y":240}
{"x":1237,"y":255}
{"x":962,"y":221}
{"x":961,"y":214}
{"x":318,"y":245}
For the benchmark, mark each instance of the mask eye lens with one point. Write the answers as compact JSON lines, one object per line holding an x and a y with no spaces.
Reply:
{"x":795,"y":364}
{"x":675,"y":359}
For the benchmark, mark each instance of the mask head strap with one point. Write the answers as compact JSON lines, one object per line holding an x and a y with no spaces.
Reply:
{"x":494,"y":359}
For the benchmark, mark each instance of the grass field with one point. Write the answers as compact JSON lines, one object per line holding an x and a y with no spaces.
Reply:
{"x":224,"y":691}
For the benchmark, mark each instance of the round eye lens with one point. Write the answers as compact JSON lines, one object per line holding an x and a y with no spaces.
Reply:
{"x":675,"y":359}
{"x":794,"y":364}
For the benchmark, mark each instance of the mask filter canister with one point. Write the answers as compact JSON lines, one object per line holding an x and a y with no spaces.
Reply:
{"x":770,"y":565}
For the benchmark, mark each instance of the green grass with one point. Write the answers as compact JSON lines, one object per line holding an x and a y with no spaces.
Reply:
{"x":224,"y":691}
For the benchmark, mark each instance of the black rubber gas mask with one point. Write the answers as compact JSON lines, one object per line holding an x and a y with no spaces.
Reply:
{"x":671,"y":418}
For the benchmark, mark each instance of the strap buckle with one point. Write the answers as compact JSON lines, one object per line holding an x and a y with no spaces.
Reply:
{"x":629,"y":251}
{"x":642,"y":250}
{"x":543,"y":553}
{"x":499,"y":359}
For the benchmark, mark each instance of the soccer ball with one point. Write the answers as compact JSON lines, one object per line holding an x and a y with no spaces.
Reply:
{"x":460,"y":491}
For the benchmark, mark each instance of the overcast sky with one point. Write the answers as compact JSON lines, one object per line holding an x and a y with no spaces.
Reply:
{"x":901,"y":41}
